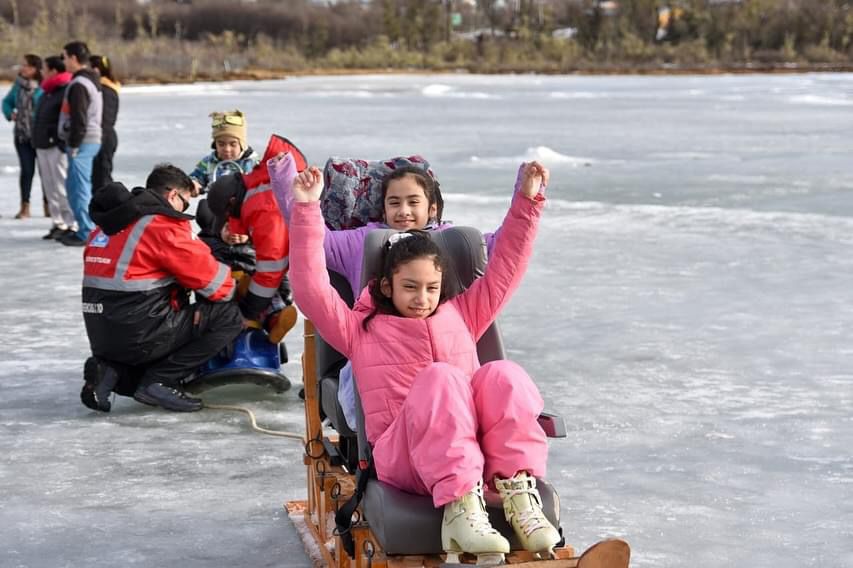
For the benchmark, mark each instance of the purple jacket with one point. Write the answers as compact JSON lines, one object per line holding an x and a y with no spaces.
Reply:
{"x":344,"y":249}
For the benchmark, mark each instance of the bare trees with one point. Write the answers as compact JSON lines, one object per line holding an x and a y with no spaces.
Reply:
{"x":483,"y":35}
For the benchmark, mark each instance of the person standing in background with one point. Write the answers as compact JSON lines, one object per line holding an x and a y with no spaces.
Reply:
{"x":18,"y":106}
{"x":52,"y":162}
{"x":80,"y":129}
{"x":102,"y":168}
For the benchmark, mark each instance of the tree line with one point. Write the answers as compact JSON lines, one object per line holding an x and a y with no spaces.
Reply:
{"x":208,"y":38}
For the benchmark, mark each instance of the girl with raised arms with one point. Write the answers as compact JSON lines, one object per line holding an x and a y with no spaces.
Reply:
{"x":439,"y":424}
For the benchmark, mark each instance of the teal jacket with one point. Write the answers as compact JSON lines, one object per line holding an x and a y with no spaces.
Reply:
{"x":9,"y":101}
{"x":11,"y":97}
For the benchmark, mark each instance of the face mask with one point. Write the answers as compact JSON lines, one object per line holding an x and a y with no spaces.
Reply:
{"x":186,"y":204}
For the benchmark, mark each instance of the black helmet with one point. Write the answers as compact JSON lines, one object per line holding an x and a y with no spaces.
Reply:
{"x":219,"y":195}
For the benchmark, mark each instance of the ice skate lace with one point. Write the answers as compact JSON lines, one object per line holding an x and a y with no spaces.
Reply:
{"x":530,"y":519}
{"x":479,"y":521}
{"x":475,"y":513}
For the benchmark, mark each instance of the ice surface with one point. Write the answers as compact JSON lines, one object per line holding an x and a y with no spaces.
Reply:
{"x":688,"y":311}
{"x":133,"y":487}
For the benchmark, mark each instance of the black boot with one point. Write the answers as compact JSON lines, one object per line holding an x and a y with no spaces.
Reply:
{"x":170,"y":398}
{"x":54,"y":233}
{"x":99,"y":381}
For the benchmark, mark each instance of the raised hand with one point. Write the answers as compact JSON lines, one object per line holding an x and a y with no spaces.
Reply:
{"x":308,"y":185}
{"x":278,"y":163}
{"x":532,"y":177}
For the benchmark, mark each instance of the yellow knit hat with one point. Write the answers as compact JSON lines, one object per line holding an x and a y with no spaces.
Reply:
{"x":229,"y":123}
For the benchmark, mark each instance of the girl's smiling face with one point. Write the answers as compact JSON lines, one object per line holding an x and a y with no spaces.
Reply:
{"x":406,"y":205}
{"x":415,"y":289}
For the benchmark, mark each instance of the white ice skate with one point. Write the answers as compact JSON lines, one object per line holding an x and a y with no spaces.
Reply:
{"x":466,"y":528}
{"x":523,"y":510}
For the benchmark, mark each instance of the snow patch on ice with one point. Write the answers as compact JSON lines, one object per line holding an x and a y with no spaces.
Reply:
{"x":820,"y":100}
{"x":446,"y":91}
{"x":544,"y":154}
{"x":186,"y":90}
{"x":577,"y":95}
{"x":297,"y":516}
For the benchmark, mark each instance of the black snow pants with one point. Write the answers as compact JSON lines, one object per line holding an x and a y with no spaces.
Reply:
{"x":203,"y":330}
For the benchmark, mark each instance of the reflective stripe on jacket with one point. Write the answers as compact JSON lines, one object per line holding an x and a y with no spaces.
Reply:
{"x":260,"y":218}
{"x":153,"y":252}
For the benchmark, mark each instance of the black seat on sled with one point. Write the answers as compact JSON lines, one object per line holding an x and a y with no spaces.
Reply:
{"x":404,"y":523}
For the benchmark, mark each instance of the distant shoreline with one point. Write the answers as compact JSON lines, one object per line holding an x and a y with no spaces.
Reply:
{"x":647,"y":70}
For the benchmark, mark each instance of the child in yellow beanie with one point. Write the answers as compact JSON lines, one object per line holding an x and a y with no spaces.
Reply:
{"x":229,"y":144}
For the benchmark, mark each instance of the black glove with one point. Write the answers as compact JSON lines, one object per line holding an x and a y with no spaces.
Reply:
{"x":242,"y":257}
{"x":238,"y":257}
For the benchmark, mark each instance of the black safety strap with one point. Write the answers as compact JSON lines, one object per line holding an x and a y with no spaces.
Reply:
{"x":343,"y":518}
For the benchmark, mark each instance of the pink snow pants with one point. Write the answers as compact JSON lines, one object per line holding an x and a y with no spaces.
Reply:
{"x":453,"y":431}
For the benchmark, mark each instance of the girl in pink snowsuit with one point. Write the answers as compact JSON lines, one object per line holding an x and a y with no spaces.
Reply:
{"x":438,"y":422}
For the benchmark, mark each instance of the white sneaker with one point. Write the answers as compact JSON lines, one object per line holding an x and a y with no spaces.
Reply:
{"x":466,"y":528}
{"x":523,"y":510}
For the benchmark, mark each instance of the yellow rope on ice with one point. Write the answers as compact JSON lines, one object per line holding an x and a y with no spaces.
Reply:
{"x":255,"y":427}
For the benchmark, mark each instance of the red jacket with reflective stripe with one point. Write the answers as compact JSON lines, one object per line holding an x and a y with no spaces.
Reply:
{"x":261,"y":219}
{"x":152,"y":252}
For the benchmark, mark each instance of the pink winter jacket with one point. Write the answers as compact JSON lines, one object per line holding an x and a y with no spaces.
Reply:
{"x":393,"y":350}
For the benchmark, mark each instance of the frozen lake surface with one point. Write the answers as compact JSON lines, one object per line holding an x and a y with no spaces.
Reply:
{"x":688,"y":312}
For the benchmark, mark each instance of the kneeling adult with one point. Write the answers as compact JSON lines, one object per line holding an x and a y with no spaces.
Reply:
{"x":140,"y":265}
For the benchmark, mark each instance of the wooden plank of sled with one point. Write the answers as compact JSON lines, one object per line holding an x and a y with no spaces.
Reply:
{"x":612,"y":553}
{"x":558,"y":563}
{"x":295,"y":506}
{"x":566,"y":551}
{"x":565,"y":559}
{"x":323,"y":506}
{"x":408,"y":561}
{"x":524,"y":557}
{"x":313,"y":426}
{"x":361,"y":536}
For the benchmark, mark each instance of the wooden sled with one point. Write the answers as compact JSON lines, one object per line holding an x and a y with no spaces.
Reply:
{"x":330,"y":485}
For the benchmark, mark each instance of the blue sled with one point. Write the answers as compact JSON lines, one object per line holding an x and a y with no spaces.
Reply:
{"x":253,"y":360}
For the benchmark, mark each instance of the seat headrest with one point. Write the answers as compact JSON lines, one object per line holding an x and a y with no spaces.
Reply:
{"x":464,"y":248}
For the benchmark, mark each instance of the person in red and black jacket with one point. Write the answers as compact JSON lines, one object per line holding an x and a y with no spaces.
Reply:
{"x":247,"y":205}
{"x":140,"y":264}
